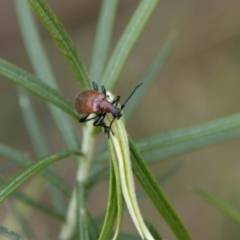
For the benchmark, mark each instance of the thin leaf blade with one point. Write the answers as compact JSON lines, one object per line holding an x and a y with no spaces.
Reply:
{"x":111,"y":212}
{"x":126,"y":42}
{"x":151,"y":187}
{"x":10,"y":234}
{"x":41,"y":65}
{"x":149,"y":76}
{"x":223,"y":207}
{"x":62,"y":40}
{"x":103,"y":38}
{"x":35,"y":85}
{"x":185,"y":140}
{"x":24,"y":160}
{"x":31,"y":170}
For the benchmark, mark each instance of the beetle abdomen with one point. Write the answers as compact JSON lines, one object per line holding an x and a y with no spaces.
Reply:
{"x":87,"y":102}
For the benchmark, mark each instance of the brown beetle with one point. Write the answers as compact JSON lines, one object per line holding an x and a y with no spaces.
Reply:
{"x":93,"y":101}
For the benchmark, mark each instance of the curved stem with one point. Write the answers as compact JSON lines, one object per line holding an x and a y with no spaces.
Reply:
{"x":121,"y":148}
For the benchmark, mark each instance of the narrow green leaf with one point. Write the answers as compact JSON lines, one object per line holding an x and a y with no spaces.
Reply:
{"x":39,"y":206}
{"x":31,"y":170}
{"x":162,"y":179}
{"x":126,"y":236}
{"x":153,"y":190}
{"x":118,"y":190}
{"x":189,"y":139}
{"x":35,"y":85}
{"x":23,"y":159}
{"x":126,"y":42}
{"x":21,"y":220}
{"x":97,"y":175}
{"x":41,"y":65}
{"x":92,"y":227}
{"x":39,"y":143}
{"x":9,"y":234}
{"x":121,"y":147}
{"x":174,"y":143}
{"x":32,"y":123}
{"x":103,"y":38}
{"x":150,"y":75}
{"x":62,"y":40}
{"x":227,"y":210}
{"x":101,"y":157}
{"x":15,"y":155}
{"x":170,"y":173}
{"x":111,"y":212}
{"x":153,"y":231}
{"x":4,"y":167}
{"x":36,"y":205}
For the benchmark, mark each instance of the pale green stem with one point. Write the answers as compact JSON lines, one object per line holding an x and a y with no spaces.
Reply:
{"x":67,"y":230}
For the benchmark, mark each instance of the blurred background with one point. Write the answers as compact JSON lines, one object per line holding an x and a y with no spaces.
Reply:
{"x":199,"y":83}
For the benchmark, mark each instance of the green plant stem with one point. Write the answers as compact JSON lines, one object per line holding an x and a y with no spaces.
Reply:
{"x":67,"y":230}
{"x":78,"y":200}
{"x":82,"y":178}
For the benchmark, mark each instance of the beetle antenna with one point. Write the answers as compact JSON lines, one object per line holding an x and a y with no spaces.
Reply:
{"x":123,"y":105}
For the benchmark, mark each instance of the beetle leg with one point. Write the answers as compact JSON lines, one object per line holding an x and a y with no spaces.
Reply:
{"x":107,"y":129}
{"x":95,"y":86}
{"x":85,"y":118}
{"x":99,"y":119}
{"x":99,"y":122}
{"x":110,"y":126}
{"x":116,"y":100}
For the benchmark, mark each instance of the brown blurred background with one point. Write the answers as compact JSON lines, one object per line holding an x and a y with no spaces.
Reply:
{"x":199,"y":83}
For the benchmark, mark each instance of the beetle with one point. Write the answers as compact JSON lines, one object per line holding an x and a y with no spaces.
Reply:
{"x":92,"y":101}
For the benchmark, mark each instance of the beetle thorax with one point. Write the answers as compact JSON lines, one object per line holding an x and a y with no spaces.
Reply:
{"x":108,"y":107}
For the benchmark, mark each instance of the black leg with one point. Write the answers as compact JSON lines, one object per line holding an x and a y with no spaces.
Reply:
{"x":85,"y":118}
{"x":99,"y":122}
{"x":95,"y":86}
{"x":116,"y":100}
{"x":107,"y":129}
{"x":110,"y":126}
